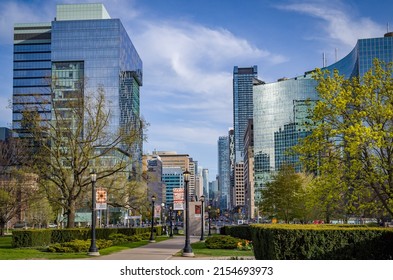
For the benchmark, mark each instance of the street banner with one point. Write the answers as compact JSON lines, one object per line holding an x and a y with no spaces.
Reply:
{"x":157,"y":211}
{"x":197,"y":210}
{"x":178,"y":198}
{"x":101,"y":197}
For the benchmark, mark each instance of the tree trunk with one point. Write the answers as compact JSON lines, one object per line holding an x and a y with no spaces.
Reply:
{"x":2,"y":226}
{"x":71,"y":214}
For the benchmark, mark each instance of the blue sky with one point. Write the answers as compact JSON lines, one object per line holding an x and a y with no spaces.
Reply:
{"x":189,"y":48}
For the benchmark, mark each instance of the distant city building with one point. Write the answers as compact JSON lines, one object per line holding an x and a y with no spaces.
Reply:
{"x":152,"y":167}
{"x":205,"y":179}
{"x":173,"y":178}
{"x":223,"y":171}
{"x":238,"y":190}
{"x":5,"y":133}
{"x":173,"y":159}
{"x":242,"y":104}
{"x":249,"y":170}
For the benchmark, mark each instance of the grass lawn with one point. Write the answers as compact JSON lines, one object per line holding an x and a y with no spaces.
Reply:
{"x":200,"y":250}
{"x":9,"y":253}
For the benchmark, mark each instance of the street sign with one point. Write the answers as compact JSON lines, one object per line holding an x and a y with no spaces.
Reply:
{"x":101,"y":206}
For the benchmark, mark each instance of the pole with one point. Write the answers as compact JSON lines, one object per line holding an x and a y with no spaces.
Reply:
{"x":151,"y":240}
{"x":209,"y":208}
{"x":187,"y":250}
{"x":93,"y":251}
{"x":170,"y":222}
{"x":202,"y":218}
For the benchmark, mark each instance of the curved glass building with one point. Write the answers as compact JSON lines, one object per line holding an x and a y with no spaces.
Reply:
{"x":281,"y":108}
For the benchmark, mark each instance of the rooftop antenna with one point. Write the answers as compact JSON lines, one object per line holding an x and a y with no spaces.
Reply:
{"x":323,"y":59}
{"x":335,"y":54}
{"x":387,"y":27}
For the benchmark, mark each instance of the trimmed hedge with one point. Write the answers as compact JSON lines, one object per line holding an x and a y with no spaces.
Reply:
{"x":45,"y":237}
{"x":321,"y":242}
{"x":31,"y":238}
{"x":242,"y":232}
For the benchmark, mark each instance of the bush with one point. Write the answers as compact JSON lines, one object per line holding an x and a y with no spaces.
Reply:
{"x":321,"y":242}
{"x":77,"y":246}
{"x":222,"y":242}
{"x":31,"y":238}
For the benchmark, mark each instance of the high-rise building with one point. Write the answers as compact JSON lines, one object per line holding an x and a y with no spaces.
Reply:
{"x":249,"y":170}
{"x":281,"y":109}
{"x":205,"y":183}
{"x":152,"y":167}
{"x":173,"y":178}
{"x":82,"y":50}
{"x":223,"y":171}
{"x":242,"y":104}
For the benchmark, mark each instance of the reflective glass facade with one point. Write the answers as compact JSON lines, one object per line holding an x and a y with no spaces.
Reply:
{"x":242,"y":104}
{"x":82,"y":36}
{"x":173,"y":178}
{"x":280,"y":120}
{"x":32,"y":72}
{"x":281,"y":109}
{"x":223,"y":171}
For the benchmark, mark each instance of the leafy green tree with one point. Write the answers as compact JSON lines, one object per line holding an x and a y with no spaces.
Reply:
{"x":351,"y":146}
{"x":284,"y":196}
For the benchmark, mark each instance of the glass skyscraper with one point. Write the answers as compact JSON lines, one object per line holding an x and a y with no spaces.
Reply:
{"x":223,"y":171}
{"x":82,"y":43}
{"x":242,"y":104}
{"x":281,"y":109}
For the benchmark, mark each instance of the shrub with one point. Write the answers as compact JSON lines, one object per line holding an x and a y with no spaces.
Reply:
{"x":76,"y":246}
{"x":222,"y":242}
{"x":322,"y":242}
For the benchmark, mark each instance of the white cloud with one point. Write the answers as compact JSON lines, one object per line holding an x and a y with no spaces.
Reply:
{"x":338,"y":23}
{"x":191,"y":65}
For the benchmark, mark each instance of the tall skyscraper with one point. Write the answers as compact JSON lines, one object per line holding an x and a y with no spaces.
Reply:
{"x":223,"y":171}
{"x":82,"y":50}
{"x":242,"y":104}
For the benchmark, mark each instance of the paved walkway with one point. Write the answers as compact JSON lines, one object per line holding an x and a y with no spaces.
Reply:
{"x":164,"y":250}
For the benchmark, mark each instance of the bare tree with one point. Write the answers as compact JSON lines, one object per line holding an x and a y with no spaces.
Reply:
{"x":79,"y":137}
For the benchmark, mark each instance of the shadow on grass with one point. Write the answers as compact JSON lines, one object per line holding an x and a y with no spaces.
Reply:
{"x":7,"y":252}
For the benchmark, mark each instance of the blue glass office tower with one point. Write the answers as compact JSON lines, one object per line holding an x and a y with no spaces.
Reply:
{"x":223,"y":171}
{"x":242,"y":104}
{"x":281,"y":109}
{"x":82,"y":42}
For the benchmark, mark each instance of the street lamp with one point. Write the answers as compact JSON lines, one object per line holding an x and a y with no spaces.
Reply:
{"x":93,"y":251}
{"x":170,"y":222}
{"x":151,"y":240}
{"x":202,"y":199}
{"x":187,"y":250}
{"x":208,"y":209}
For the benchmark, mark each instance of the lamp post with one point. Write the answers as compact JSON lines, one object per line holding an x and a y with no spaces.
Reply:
{"x":151,"y":240}
{"x":208,"y":212}
{"x":93,"y":251}
{"x":187,"y":250}
{"x":202,"y":199}
{"x":170,"y":222}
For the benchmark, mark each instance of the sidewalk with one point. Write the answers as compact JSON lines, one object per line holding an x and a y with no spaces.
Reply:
{"x":164,"y":250}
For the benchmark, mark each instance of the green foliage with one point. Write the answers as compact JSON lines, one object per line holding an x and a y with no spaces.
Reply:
{"x":284,"y":196}
{"x":351,"y":147}
{"x":76,"y":246}
{"x":222,"y":242}
{"x":31,"y":238}
{"x":242,"y":232}
{"x":322,"y":242}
